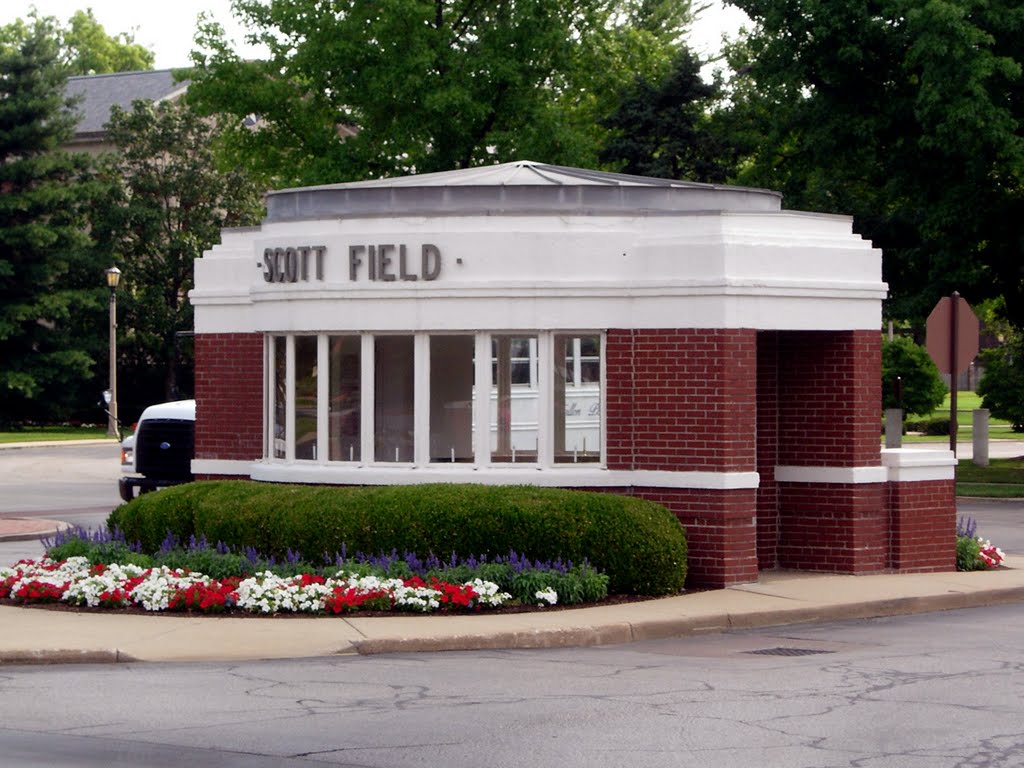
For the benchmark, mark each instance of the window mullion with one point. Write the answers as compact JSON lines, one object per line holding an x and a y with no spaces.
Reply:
{"x":289,"y":399}
{"x":482,"y":400}
{"x":421,"y":399}
{"x":366,"y":399}
{"x":323,"y":394}
{"x":545,"y":400}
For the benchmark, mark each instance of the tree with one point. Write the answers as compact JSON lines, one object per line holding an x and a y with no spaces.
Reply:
{"x":662,"y":127}
{"x":920,"y":388}
{"x":168,"y":203}
{"x":359,"y":90}
{"x":1002,"y":386}
{"x":50,"y":290}
{"x":905,"y":113}
{"x":84,"y":46}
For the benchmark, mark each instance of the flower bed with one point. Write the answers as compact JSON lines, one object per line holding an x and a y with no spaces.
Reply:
{"x":973,"y":552}
{"x":75,"y":582}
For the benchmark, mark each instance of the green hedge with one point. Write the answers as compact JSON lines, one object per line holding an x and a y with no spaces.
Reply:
{"x":639,"y":545}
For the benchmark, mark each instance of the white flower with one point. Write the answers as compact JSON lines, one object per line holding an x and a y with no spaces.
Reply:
{"x":546,"y":596}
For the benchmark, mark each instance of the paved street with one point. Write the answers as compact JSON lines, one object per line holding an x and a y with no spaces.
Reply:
{"x":926,"y":691}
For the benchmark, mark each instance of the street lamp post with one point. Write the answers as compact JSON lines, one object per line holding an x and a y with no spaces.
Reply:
{"x":113,"y":277}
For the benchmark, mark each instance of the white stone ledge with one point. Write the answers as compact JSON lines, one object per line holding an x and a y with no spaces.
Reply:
{"x":221,"y":467}
{"x":831,"y":475}
{"x":909,"y":465}
{"x":555,"y":477}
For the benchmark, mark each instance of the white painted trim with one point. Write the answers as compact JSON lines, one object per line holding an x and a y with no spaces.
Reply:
{"x":221,"y":467}
{"x":910,"y":465}
{"x":831,"y":475}
{"x":560,"y":477}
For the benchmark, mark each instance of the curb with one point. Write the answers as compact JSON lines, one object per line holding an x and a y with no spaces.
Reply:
{"x":57,"y":443}
{"x":632,"y":632}
{"x":65,"y":656}
{"x":50,"y":530}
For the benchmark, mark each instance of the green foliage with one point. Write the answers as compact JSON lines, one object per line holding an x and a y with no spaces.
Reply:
{"x":905,"y":114}
{"x":932,"y":425}
{"x":51,"y":295}
{"x":1002,"y":387}
{"x":661,"y":127}
{"x":639,"y":545}
{"x":967,"y":550}
{"x":84,"y":47}
{"x":364,"y":90}
{"x":167,"y":203}
{"x":923,"y":390}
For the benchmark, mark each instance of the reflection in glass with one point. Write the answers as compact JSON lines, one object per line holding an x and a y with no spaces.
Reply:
{"x":393,"y":398}
{"x":278,"y":438}
{"x":451,"y":398}
{"x":577,"y":398}
{"x":344,"y":398}
{"x":305,"y":397}
{"x":514,"y":413}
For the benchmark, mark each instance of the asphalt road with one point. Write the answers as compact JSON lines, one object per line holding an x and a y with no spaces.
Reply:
{"x":930,"y":691}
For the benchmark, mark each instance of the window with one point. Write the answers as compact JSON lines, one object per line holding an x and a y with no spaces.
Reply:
{"x":393,"y":413}
{"x":451,"y":398}
{"x":279,"y":397}
{"x":305,"y":397}
{"x":514,"y":402}
{"x":577,"y":398}
{"x":436,"y":399}
{"x":344,"y":415}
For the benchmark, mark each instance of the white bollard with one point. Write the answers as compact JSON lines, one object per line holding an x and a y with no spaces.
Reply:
{"x":893,"y":427}
{"x":980,"y":424}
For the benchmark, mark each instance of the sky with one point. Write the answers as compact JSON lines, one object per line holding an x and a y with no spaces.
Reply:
{"x":168,"y":27}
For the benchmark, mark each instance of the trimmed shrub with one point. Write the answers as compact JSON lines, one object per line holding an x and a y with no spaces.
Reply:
{"x":935,"y":425}
{"x":638,"y":544}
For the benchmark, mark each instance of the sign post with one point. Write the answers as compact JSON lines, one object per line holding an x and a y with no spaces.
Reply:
{"x":951,"y":337}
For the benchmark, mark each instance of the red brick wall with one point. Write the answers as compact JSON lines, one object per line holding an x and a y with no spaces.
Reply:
{"x":681,"y":400}
{"x":830,"y":398}
{"x":767,"y":449}
{"x":923,"y":516}
{"x":833,"y":527}
{"x":229,"y":396}
{"x":720,"y":532}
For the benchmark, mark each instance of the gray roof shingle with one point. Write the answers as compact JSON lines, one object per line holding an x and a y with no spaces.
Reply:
{"x":98,"y":93}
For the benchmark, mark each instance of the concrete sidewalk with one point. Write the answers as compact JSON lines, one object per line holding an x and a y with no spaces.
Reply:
{"x":40,"y":635}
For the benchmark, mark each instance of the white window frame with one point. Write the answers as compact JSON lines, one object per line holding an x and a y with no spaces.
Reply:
{"x":542,"y":378}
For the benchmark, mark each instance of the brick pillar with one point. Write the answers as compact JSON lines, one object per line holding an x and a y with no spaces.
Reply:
{"x":229,"y":396}
{"x":684,"y":400}
{"x":922,"y":509}
{"x":767,"y":449}
{"x":832,"y":506}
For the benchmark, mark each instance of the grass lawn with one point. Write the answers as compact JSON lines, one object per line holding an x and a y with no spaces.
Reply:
{"x":39,"y":434}
{"x":1001,"y":479}
{"x":966,"y":403}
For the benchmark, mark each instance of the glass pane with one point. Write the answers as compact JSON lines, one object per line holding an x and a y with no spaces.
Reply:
{"x":305,"y":397}
{"x":344,"y":414}
{"x":451,"y":398}
{"x":277,"y":437}
{"x":393,"y":398}
{"x":513,"y":414}
{"x":577,"y":408}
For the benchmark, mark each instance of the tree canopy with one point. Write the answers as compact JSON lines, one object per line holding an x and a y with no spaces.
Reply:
{"x":83,"y":45}
{"x":49,"y":287}
{"x":357,"y":90}
{"x":663,"y":127}
{"x":905,"y":113}
{"x":167,"y":202}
